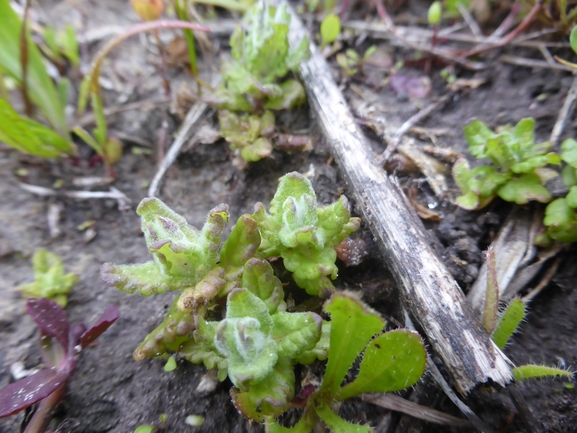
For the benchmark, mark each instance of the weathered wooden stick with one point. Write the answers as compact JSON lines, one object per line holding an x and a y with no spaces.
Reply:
{"x":430,"y":293}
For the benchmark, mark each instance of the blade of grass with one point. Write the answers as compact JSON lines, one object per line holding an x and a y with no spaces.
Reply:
{"x":182,"y":13}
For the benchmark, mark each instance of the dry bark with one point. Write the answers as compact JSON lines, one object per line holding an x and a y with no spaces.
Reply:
{"x":429,"y":292}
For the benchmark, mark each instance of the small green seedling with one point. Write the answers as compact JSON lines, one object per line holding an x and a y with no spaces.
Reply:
{"x":391,"y":361}
{"x":330,"y":30}
{"x":352,"y":63}
{"x":519,"y":166}
{"x":251,"y":80}
{"x":62,"y":43}
{"x":50,"y":281}
{"x":434,"y":13}
{"x":503,"y":326}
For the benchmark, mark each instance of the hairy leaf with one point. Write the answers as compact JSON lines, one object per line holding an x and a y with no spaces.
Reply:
{"x":508,"y":322}
{"x":202,"y":349}
{"x":145,"y":279}
{"x":336,"y":423}
{"x":353,"y":324}
{"x":532,"y":371}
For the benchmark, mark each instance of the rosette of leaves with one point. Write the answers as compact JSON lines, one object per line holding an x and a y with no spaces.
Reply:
{"x":391,"y":361}
{"x":519,"y":166}
{"x":303,"y":233}
{"x":257,"y":343}
{"x":188,"y":259}
{"x":50,"y":281}
{"x":560,"y":217}
{"x":251,"y":79}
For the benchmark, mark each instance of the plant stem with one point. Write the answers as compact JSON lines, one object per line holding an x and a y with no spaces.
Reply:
{"x":162,"y":67}
{"x":40,"y":418}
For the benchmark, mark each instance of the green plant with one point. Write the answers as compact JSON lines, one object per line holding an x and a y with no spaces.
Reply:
{"x":520,"y":166}
{"x":391,"y":361}
{"x":50,"y":281}
{"x":261,"y":57}
{"x":21,"y":60}
{"x":351,"y":62}
{"x":62,"y":43}
{"x":330,"y":29}
{"x":256,"y":341}
{"x":503,"y":325}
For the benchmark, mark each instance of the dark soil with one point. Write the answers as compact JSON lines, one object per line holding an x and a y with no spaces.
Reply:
{"x":109,"y":392}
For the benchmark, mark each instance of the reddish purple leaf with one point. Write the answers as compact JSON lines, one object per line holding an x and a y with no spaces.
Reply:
{"x":50,"y":318}
{"x":109,"y":316}
{"x":19,"y":395}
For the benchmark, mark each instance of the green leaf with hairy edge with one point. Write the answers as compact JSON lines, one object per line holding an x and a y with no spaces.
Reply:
{"x":50,"y":281}
{"x":293,"y":94}
{"x":295,"y":333}
{"x":241,"y":244}
{"x":532,"y":371}
{"x":569,"y":176}
{"x":393,"y":361}
{"x":244,"y":339}
{"x":336,"y":423}
{"x":41,"y":89}
{"x":477,"y":134}
{"x":29,"y":136}
{"x":268,"y":398}
{"x":571,"y":197}
{"x":202,"y":350}
{"x":569,"y":152}
{"x":305,"y":424}
{"x":261,"y":148}
{"x":300,"y":54}
{"x":508,"y":322}
{"x":491,"y":294}
{"x":169,"y":335}
{"x":524,"y":189}
{"x":180,"y":249}
{"x":146,"y":279}
{"x":353,"y":324}
{"x":321,"y":349}
{"x":462,"y":174}
{"x":225,"y":99}
{"x":330,"y":29}
{"x":259,"y":278}
{"x":485,"y":180}
{"x":561,"y":221}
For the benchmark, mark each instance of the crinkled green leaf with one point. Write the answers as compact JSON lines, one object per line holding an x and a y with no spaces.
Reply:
{"x":180,"y":249}
{"x":169,"y":335}
{"x":225,"y":99}
{"x":261,"y":148}
{"x":201,"y":348}
{"x":204,"y":292}
{"x":569,"y":152}
{"x":244,"y":339}
{"x":268,"y":398}
{"x":532,"y":371}
{"x":240,"y":131}
{"x":477,"y":134}
{"x":259,"y":278}
{"x":146,"y":279}
{"x":321,"y":349}
{"x":293,"y":94}
{"x":295,"y":333}
{"x":336,"y":423}
{"x":50,"y":281}
{"x":561,"y":221}
{"x":498,"y":150}
{"x":485,"y":180}
{"x":353,"y":324}
{"x":524,"y":189}
{"x":508,"y":322}
{"x":241,"y":244}
{"x":393,"y":361}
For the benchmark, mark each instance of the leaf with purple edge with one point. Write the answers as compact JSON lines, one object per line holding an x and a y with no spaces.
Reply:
{"x":110,"y":315}
{"x":50,"y":318}
{"x":19,"y":395}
